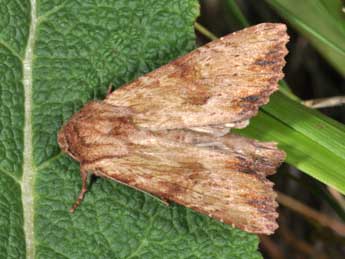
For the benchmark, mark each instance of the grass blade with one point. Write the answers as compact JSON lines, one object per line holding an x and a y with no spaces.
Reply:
{"x":302,"y":152}
{"x":322,"y":22}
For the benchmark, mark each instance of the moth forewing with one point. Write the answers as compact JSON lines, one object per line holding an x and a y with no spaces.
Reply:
{"x":165,"y":133}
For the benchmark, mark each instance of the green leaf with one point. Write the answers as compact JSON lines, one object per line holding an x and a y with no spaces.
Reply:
{"x":57,"y":55}
{"x":12,"y":244}
{"x":13,"y":37}
{"x":321,"y":152}
{"x":322,"y":22}
{"x":311,"y":123}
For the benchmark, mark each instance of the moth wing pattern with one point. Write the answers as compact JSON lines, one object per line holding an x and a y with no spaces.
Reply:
{"x":223,"y":177}
{"x":164,"y":133}
{"x":206,"y":174}
{"x":221,"y":83}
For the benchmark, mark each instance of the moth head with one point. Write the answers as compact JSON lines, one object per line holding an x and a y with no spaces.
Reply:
{"x":66,"y":144}
{"x":86,"y":135}
{"x":68,"y":136}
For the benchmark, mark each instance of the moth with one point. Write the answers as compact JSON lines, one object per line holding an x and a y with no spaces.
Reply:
{"x":167,"y":132}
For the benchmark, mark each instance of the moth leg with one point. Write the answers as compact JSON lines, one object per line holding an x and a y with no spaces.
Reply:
{"x":158,"y":198}
{"x":83,"y":175}
{"x":164,"y":201}
{"x":110,"y":89}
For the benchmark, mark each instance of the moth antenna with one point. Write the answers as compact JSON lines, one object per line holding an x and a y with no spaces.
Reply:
{"x":83,"y":175}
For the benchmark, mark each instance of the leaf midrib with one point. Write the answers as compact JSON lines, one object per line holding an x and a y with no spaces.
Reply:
{"x":28,"y":168}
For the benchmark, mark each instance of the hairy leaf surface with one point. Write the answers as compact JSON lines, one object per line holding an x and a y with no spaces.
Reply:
{"x":55,"y":56}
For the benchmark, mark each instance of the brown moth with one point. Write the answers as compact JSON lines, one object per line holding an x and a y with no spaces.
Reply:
{"x":166,"y":133}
